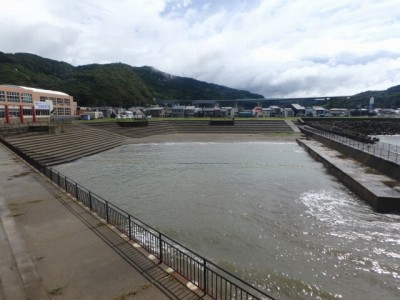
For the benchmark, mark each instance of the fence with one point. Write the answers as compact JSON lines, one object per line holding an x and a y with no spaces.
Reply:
{"x":211,"y":279}
{"x":379,"y":149}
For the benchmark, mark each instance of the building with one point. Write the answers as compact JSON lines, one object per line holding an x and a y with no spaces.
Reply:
{"x":287,"y":112}
{"x":155,"y":111}
{"x":189,"y":111}
{"x":276,"y":111}
{"x":19,"y":104}
{"x":178,"y":111}
{"x":299,"y":110}
{"x":318,"y":111}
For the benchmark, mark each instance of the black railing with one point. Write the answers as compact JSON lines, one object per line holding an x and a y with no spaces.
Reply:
{"x":208,"y":277}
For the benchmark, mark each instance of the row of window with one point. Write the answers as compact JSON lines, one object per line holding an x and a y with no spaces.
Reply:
{"x":14,"y":97}
{"x":27,"y":98}
{"x":60,"y":111}
{"x":15,"y":112}
{"x":56,"y":101}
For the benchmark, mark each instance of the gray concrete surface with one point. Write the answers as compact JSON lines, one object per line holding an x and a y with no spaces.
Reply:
{"x":53,"y":248}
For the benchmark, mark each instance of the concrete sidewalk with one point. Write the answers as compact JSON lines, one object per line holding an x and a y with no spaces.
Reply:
{"x":53,"y":248}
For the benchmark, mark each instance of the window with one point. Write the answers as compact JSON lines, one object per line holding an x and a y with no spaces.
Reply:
{"x":27,"y":98}
{"x":43,"y":98}
{"x":67,"y":102}
{"x":2,"y":112}
{"x":12,"y":97}
{"x":14,"y":112}
{"x":53,"y":100}
{"x":67,"y":111}
{"x":42,"y":112}
{"x":60,"y":101}
{"x":2,"y":96}
{"x":60,"y":111}
{"x":27,"y":111}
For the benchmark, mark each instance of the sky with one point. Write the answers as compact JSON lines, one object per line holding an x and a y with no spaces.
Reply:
{"x":276,"y":48}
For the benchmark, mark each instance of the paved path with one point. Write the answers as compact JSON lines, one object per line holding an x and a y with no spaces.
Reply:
{"x":53,"y":248}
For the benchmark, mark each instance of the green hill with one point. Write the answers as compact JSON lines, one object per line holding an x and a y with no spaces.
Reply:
{"x":114,"y":84}
{"x":389,"y":98}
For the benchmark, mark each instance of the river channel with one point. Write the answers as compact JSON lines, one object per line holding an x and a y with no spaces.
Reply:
{"x":266,"y":211}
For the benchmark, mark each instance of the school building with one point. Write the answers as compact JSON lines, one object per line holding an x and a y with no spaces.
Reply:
{"x":19,"y":104}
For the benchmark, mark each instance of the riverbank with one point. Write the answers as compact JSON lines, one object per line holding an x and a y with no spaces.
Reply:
{"x":51,"y":246}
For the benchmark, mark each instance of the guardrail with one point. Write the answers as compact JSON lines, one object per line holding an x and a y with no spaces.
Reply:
{"x":211,"y":279}
{"x":379,"y":149}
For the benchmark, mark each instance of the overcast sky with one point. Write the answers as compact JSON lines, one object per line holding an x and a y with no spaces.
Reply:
{"x":277,"y":48}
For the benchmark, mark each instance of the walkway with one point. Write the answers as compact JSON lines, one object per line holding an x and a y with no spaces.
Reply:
{"x":51,"y":247}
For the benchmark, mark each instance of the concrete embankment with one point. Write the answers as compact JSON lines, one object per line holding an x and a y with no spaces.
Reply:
{"x":380,"y":164}
{"x":380,"y":191}
{"x":198,"y":126}
{"x":81,"y":140}
{"x":53,"y":149}
{"x":53,"y":248}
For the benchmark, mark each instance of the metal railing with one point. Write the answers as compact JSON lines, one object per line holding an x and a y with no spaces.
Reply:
{"x":211,"y":279}
{"x":379,"y":149}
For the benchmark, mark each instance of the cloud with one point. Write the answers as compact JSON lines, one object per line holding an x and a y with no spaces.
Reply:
{"x":276,"y":48}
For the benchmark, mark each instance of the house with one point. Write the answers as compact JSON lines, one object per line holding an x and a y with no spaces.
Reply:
{"x":155,"y":111}
{"x":315,"y":111}
{"x":339,"y":112}
{"x":227,"y":111}
{"x":318,"y":111}
{"x":257,"y":112}
{"x":276,"y":111}
{"x":266,"y":111}
{"x":107,"y":111}
{"x":189,"y":111}
{"x":137,"y":112}
{"x":178,"y":111}
{"x":298,"y":110}
{"x":287,"y":112}
{"x":167,"y":112}
{"x":209,"y":112}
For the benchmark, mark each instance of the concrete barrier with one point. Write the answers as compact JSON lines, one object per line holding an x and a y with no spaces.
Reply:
{"x":372,"y":188}
{"x":382,"y":165}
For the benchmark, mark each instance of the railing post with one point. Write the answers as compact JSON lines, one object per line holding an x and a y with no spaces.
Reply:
{"x":65,"y":183}
{"x":205,"y":275}
{"x":130,"y":227}
{"x":107,"y":218}
{"x":59,"y":179}
{"x":76,"y":191}
{"x":160,"y":246}
{"x":90,"y":201}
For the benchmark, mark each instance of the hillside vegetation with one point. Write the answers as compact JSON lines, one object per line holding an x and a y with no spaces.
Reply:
{"x":118,"y":84}
{"x":114,"y":84}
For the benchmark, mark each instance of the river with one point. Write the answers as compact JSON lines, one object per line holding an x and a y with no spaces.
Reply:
{"x":264,"y":210}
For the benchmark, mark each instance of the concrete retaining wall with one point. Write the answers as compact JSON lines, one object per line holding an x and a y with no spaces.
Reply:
{"x":384,"y":166}
{"x":380,"y":200}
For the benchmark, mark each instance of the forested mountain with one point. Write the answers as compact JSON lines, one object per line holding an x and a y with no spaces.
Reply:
{"x":114,"y":84}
